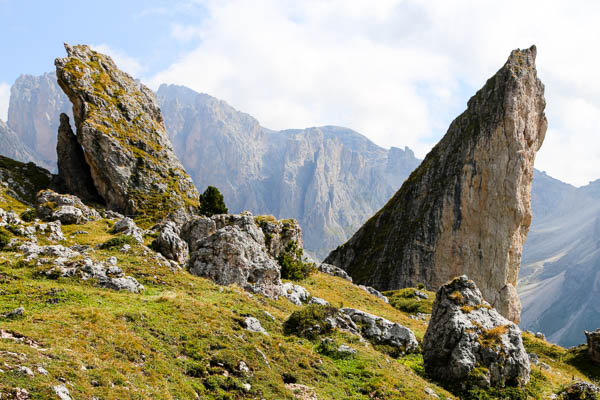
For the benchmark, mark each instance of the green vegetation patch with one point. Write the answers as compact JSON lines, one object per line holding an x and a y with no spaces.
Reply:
{"x":118,"y":242}
{"x":310,"y":322}
{"x":292,"y":266}
{"x":407,"y":301}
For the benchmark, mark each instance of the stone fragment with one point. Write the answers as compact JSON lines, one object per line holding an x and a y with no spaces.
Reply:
{"x":580,"y":391}
{"x":374,"y":292}
{"x":467,"y":208}
{"x":467,"y":338}
{"x":381,"y":331}
{"x":62,"y":392}
{"x":334,"y":271}
{"x":126,"y":226}
{"x":253,"y":325}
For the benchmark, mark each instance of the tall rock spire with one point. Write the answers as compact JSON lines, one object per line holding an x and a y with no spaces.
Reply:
{"x":466,"y":209}
{"x":121,"y":131}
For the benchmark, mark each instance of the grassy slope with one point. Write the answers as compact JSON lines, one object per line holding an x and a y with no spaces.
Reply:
{"x":182,"y":339}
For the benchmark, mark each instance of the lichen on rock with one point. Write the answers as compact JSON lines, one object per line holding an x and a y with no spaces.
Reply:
{"x":466,"y":209}
{"x":121,"y":130}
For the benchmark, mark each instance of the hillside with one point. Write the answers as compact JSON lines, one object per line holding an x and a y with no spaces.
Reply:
{"x":182,"y":336}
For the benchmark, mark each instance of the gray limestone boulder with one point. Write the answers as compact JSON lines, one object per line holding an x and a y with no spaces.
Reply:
{"x":580,"y":391}
{"x":68,"y":209}
{"x":374,"y":292}
{"x":232,"y":256}
{"x":381,"y":331}
{"x":466,"y":338}
{"x":126,"y":226}
{"x":170,"y":244}
{"x":196,"y":229}
{"x":334,"y":271}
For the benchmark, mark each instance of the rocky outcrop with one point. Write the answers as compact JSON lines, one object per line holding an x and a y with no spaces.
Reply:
{"x":593,"y":344}
{"x":35,"y":104}
{"x":232,"y":256}
{"x":381,"y":331}
{"x":467,"y":338}
{"x":580,"y":391}
{"x":73,"y":171}
{"x":170,"y":245}
{"x":466,"y":209}
{"x":121,"y":131}
{"x":67,"y":209}
{"x":333,"y":271}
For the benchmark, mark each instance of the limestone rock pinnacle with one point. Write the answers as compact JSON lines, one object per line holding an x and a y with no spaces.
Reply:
{"x":466,"y":209}
{"x":121,"y":131}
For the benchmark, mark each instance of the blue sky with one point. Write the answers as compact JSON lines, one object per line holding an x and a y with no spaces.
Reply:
{"x":397,"y":71}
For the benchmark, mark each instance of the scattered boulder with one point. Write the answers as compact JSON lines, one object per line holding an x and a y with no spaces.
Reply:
{"x":374,"y":292}
{"x":295,"y":293}
{"x":580,"y":391}
{"x":62,"y":392}
{"x":253,"y":325}
{"x":170,"y":245}
{"x":540,"y":335}
{"x":108,"y":275}
{"x":593,"y":344}
{"x":17,"y":312}
{"x":126,"y":226}
{"x":381,"y":331}
{"x":122,"y":135}
{"x":467,"y":337}
{"x":467,"y":208}
{"x":68,"y":209}
{"x":233,"y":256}
{"x":334,"y":271}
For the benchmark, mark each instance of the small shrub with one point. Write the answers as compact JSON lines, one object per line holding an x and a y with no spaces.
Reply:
{"x":4,"y":238}
{"x":310,"y":321}
{"x":405,"y":300}
{"x":212,"y":202}
{"x":118,"y":241}
{"x":292,"y":267}
{"x":329,"y":348}
{"x":28,"y":216}
{"x":288,"y":378}
{"x":421,"y":286}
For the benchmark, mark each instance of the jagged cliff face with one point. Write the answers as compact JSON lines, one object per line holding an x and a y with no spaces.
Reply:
{"x":466,"y":209}
{"x":35,"y":104}
{"x":120,"y":129}
{"x":329,"y":178}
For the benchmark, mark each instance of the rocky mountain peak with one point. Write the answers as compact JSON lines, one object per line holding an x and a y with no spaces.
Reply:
{"x":121,"y":131}
{"x":466,"y":209}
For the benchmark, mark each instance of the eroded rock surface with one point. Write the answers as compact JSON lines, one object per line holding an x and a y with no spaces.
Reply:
{"x":467,"y":338}
{"x":381,"y":331}
{"x":232,"y":256}
{"x":466,"y":209}
{"x":121,"y":131}
{"x":170,"y":245}
{"x":67,"y":209}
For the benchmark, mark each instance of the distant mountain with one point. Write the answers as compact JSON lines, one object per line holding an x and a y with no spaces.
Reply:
{"x":329,"y":178}
{"x":559,"y":283}
{"x":36,"y":103}
{"x":11,"y":146}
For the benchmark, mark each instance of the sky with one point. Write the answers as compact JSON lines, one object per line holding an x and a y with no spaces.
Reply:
{"x":397,"y":71}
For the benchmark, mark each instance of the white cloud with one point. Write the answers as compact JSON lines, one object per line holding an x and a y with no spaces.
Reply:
{"x":126,"y":63}
{"x":397,"y":71}
{"x":4,"y":100}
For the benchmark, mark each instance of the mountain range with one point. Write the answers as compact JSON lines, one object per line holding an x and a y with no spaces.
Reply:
{"x":332,"y":179}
